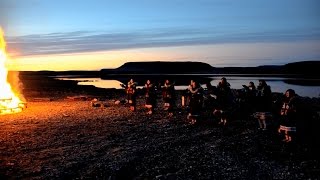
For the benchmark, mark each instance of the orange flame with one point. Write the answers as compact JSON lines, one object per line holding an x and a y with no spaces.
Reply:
{"x":9,"y":101}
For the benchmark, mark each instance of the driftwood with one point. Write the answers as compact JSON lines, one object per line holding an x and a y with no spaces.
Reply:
{"x":80,"y":98}
{"x":41,"y":99}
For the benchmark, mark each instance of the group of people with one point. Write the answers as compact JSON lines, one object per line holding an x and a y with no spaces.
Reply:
{"x":222,"y":101}
{"x":151,"y":96}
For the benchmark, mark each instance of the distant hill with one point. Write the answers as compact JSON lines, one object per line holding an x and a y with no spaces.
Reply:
{"x":302,"y":68}
{"x":250,"y":70}
{"x":309,"y":68}
{"x":157,"y":67}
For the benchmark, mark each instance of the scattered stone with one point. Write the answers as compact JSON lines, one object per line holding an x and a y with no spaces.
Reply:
{"x":41,"y":99}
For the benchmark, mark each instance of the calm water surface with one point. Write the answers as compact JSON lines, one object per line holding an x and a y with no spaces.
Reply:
{"x":303,"y":87}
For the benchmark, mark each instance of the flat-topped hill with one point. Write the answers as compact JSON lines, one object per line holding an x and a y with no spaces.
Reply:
{"x":308,"y":68}
{"x":303,"y":67}
{"x":157,"y":67}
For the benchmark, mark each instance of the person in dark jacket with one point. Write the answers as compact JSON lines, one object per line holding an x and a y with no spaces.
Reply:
{"x":131,"y":94}
{"x":210,"y":96}
{"x":263,"y":104}
{"x":289,"y":115}
{"x":250,"y":93}
{"x":223,"y":93}
{"x":168,"y":93}
{"x":264,"y":97}
{"x":186,"y":96}
{"x":196,"y":102}
{"x":150,"y":96}
{"x":224,"y":101}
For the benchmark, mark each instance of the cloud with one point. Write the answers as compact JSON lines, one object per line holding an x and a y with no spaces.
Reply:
{"x":90,"y":41}
{"x":5,"y":11}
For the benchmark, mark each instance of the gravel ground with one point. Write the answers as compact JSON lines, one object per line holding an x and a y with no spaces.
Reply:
{"x":73,"y":140}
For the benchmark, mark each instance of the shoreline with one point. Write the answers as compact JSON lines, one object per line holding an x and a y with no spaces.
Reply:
{"x":68,"y":138}
{"x":42,"y":83}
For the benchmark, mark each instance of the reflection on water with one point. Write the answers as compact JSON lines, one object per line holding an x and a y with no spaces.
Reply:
{"x":97,"y":82}
{"x":278,"y":84}
{"x":303,"y":87}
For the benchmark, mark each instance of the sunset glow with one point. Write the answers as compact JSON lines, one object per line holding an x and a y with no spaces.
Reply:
{"x":45,"y":35}
{"x":221,"y":55}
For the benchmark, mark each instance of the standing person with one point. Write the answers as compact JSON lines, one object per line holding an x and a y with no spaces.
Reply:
{"x":288,"y":115}
{"x":264,"y":97}
{"x":223,"y":93}
{"x":186,"y":96}
{"x":189,"y":92}
{"x":223,"y":100}
{"x":263,"y":104}
{"x":150,"y":96}
{"x":211,"y":89}
{"x":210,"y":96}
{"x":196,"y":101}
{"x":251,"y":93}
{"x":168,"y":96}
{"x":250,"y":96}
{"x":131,"y":94}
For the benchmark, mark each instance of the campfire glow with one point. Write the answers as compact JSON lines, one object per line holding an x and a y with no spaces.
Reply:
{"x":9,"y":101}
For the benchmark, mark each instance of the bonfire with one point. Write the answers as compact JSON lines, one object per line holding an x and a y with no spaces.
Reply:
{"x":9,"y":100}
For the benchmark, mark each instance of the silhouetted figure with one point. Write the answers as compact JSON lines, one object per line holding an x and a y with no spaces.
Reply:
{"x":210,"y":95}
{"x":263,"y":104}
{"x":131,"y":94}
{"x":196,"y":101}
{"x":186,"y":96}
{"x":289,"y":115}
{"x":224,"y":101}
{"x":210,"y":88}
{"x":250,"y":93}
{"x":264,"y":97}
{"x":150,"y":96}
{"x":223,"y":93}
{"x":168,"y":97}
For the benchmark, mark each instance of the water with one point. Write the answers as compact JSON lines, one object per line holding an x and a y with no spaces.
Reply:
{"x":303,"y":87}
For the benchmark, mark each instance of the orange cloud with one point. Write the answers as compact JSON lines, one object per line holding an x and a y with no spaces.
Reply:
{"x":232,"y":54}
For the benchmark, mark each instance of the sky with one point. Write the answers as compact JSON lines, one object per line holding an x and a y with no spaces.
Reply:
{"x":96,"y":34}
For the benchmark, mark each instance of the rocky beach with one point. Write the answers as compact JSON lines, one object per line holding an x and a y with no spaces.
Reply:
{"x":60,"y":135}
